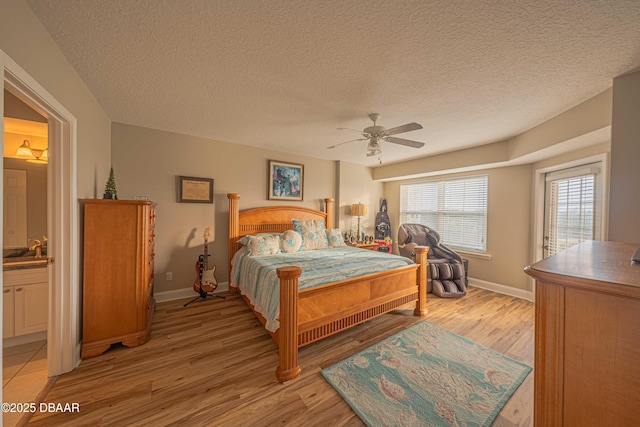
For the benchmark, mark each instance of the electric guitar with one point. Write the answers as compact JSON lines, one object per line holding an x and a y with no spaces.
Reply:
{"x":205,"y":280}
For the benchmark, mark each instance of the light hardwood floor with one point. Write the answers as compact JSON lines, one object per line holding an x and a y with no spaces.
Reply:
{"x":212,"y":364}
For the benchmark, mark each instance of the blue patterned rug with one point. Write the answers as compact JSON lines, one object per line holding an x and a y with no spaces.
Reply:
{"x":427,"y":376}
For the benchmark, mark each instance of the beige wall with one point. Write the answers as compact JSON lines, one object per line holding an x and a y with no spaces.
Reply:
{"x":508,"y":225}
{"x":147,"y":162}
{"x":624,"y":205}
{"x":356,"y":185}
{"x":580,"y":132}
{"x":25,"y":41}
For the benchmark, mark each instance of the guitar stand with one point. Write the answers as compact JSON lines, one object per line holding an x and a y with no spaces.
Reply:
{"x":204,"y":295}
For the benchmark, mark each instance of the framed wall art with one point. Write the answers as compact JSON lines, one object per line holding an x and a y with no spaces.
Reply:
{"x":195,"y":190}
{"x":286,"y":181}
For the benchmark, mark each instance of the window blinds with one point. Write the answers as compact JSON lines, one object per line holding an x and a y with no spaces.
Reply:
{"x":455,"y":208}
{"x":572,"y":208}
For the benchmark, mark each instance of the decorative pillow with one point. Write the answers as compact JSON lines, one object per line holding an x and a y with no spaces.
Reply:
{"x":334,"y":235}
{"x":246,"y":239}
{"x":263,"y":244}
{"x":312,"y":231}
{"x":290,"y":241}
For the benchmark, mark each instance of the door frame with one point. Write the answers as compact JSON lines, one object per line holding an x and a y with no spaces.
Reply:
{"x":539,"y":202}
{"x":63,"y":332}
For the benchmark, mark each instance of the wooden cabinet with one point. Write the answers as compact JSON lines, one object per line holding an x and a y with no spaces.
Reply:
{"x":25,"y":302}
{"x":587,"y":336}
{"x":118,"y":302}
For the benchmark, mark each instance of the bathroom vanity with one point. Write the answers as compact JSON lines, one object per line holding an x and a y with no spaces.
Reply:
{"x":25,"y":298}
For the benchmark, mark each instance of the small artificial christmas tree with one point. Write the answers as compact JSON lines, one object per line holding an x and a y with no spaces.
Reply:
{"x":110,"y":190}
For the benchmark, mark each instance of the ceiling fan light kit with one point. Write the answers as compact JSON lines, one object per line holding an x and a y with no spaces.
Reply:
{"x":374,"y":134}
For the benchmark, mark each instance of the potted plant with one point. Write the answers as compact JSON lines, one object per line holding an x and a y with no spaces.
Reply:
{"x":110,"y":190}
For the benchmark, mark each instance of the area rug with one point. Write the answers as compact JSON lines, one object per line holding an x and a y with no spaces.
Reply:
{"x":427,"y":376}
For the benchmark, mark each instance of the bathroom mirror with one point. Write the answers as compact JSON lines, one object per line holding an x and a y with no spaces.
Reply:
{"x":25,"y":202}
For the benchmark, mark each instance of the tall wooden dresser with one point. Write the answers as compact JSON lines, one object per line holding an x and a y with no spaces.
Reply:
{"x":118,"y":299}
{"x":587,"y":345}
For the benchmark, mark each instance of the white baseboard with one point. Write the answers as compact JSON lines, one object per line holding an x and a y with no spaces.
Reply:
{"x":502,"y":289}
{"x":24,"y":339}
{"x":185,"y":293}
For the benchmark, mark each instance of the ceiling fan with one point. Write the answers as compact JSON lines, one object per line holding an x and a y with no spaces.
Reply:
{"x":375,"y":134}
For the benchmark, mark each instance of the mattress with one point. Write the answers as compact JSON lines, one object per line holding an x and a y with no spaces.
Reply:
{"x":257,"y":279}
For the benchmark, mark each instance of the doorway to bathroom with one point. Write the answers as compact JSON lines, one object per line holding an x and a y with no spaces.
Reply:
{"x":64,"y":303}
{"x":25,"y":244}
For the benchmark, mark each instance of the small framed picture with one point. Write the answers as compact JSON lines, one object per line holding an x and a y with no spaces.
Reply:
{"x":195,"y":190}
{"x":286,"y":181}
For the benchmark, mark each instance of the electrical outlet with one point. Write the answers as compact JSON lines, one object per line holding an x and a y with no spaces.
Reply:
{"x":168,"y":275}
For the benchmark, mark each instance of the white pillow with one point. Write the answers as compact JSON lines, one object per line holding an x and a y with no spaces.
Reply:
{"x":334,"y":236}
{"x":312,"y":231}
{"x":246,"y":239}
{"x":290,"y":241}
{"x":263,"y":244}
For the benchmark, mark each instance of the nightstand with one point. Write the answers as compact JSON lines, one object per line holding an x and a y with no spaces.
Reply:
{"x":369,"y":246}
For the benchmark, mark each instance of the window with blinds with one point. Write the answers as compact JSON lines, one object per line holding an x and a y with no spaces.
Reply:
{"x":572,"y":206}
{"x":455,"y":208}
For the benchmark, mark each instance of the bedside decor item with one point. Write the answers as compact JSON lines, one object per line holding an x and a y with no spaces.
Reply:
{"x":286,"y":181}
{"x":383,"y":224}
{"x":110,"y":189}
{"x":359,"y":210}
{"x":195,"y":190}
{"x":426,"y":375}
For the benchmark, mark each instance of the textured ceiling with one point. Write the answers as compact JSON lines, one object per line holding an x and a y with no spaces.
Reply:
{"x":286,"y":74}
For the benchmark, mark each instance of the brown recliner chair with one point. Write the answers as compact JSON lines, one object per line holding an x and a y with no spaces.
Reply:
{"x":447,"y":275}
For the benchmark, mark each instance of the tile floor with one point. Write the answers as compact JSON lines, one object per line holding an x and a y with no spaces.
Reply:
{"x":24,"y":375}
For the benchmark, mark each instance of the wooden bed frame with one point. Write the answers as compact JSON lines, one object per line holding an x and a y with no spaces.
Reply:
{"x":312,"y":314}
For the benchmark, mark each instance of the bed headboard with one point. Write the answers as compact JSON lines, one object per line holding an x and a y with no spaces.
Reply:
{"x":268,"y":219}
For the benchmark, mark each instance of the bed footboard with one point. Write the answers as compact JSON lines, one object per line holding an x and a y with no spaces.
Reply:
{"x":307,"y":317}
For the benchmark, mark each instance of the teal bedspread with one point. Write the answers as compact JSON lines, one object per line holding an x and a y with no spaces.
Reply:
{"x":256,"y":276}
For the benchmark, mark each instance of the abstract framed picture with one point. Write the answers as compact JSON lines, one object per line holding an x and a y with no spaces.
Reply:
{"x":286,"y":181}
{"x":195,"y":190}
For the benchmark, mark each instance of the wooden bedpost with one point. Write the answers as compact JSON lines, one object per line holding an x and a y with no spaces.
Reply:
{"x":234,"y":230}
{"x":328,"y":208}
{"x":421,"y":258}
{"x":288,"y":367}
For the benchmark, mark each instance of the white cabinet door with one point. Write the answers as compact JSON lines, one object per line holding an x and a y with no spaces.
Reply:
{"x":7,"y":312}
{"x":32,"y":308}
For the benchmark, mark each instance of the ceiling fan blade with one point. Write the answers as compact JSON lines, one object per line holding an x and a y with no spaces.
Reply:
{"x":402,"y":141}
{"x":404,"y":128}
{"x":352,"y":130}
{"x":346,"y":142}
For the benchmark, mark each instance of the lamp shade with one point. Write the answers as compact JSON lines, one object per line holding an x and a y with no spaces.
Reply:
{"x":359,"y":209}
{"x":24,"y":150}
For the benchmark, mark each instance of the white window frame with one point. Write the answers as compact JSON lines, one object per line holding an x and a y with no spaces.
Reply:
{"x":479,"y":246}
{"x":539,"y":195}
